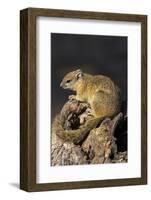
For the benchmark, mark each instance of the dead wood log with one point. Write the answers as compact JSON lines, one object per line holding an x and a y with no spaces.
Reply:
{"x":98,"y":147}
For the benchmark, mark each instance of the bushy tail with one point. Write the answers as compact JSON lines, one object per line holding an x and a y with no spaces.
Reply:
{"x":75,"y":136}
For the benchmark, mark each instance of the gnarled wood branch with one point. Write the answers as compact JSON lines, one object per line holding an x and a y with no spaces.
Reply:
{"x":100,"y":145}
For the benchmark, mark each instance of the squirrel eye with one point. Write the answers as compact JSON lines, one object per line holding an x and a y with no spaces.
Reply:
{"x":68,"y":81}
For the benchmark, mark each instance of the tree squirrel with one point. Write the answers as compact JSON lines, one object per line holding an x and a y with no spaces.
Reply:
{"x":99,"y":91}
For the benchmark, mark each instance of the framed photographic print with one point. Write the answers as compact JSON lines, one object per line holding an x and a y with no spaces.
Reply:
{"x":83,"y":99}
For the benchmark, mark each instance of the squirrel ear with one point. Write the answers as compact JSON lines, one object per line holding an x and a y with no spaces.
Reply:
{"x":79,"y":73}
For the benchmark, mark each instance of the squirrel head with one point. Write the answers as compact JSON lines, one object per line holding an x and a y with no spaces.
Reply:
{"x":71,"y":79}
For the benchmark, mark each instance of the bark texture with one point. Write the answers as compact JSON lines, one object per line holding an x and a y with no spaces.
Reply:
{"x":107,"y":143}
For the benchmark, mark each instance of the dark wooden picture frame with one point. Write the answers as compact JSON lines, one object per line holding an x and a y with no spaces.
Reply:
{"x":28,"y":99}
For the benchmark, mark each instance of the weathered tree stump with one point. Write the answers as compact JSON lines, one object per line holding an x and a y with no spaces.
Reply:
{"x":98,"y":146}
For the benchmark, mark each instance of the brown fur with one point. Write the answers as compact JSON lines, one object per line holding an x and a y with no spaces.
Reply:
{"x":99,"y":91}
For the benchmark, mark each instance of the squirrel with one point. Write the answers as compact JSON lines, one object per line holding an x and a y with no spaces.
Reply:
{"x":99,"y":91}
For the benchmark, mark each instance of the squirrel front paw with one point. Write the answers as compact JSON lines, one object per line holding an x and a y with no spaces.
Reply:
{"x":72,"y":97}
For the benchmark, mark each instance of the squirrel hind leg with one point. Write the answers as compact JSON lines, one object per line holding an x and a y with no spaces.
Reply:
{"x":104,"y":105}
{"x":99,"y":110}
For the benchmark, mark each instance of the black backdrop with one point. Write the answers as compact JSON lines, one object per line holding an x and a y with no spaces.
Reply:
{"x":93,"y":54}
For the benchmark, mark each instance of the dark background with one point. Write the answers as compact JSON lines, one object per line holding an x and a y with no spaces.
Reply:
{"x":93,"y":54}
